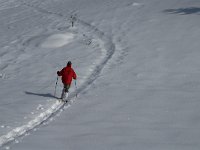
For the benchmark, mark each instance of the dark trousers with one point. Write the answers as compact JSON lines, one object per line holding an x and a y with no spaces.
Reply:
{"x":65,"y":91}
{"x":66,"y":87}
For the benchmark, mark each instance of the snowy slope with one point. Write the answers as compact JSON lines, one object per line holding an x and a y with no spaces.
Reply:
{"x":138,"y":74}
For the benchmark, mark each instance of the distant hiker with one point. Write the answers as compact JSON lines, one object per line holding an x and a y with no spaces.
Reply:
{"x":73,"y":19}
{"x":67,"y":74}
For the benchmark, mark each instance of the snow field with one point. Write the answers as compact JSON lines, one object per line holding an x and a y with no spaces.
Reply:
{"x":55,"y":41}
{"x":145,"y":98}
{"x":22,"y":130}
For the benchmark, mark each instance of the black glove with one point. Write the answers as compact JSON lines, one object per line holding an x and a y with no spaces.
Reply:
{"x":58,"y":72}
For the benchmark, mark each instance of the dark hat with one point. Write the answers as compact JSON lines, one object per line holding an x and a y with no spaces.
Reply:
{"x":69,"y":63}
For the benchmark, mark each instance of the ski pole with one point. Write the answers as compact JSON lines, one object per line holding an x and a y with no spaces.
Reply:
{"x":76,"y":89}
{"x":56,"y":86}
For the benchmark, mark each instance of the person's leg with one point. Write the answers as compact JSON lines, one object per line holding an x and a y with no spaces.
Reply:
{"x":63,"y":95}
{"x":65,"y":91}
{"x":67,"y":86}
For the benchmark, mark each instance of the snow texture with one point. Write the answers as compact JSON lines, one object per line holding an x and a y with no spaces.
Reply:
{"x":138,"y":74}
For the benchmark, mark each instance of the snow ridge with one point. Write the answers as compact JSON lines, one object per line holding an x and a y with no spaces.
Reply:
{"x":22,"y":130}
{"x":107,"y":50}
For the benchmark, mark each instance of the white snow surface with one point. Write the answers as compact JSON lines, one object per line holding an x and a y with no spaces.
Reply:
{"x":57,"y":40}
{"x":137,"y":63}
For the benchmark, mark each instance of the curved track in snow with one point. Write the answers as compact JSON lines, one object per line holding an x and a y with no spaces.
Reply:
{"x":107,"y":50}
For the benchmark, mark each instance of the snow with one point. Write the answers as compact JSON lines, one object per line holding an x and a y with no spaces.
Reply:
{"x":138,"y":74}
{"x":57,"y":40}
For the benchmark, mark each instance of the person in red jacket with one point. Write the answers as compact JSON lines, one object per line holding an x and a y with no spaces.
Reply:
{"x":67,"y":74}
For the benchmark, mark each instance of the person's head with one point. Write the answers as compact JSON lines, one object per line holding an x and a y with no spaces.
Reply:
{"x":69,"y":63}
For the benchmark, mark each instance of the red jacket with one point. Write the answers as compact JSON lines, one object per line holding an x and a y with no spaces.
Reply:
{"x":67,"y":74}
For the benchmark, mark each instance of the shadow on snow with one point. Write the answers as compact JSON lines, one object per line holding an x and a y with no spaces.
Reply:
{"x":39,"y":94}
{"x":184,"y":11}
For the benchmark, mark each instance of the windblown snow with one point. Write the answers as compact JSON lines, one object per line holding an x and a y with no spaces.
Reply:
{"x":137,"y":63}
{"x":57,"y":40}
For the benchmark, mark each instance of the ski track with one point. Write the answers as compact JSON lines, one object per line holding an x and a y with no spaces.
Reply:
{"x":107,"y":50}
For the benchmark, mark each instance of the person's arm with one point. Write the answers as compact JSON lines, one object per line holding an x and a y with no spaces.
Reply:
{"x":59,"y":73}
{"x":74,"y":75}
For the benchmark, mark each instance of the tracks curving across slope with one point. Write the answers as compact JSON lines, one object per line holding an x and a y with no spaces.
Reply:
{"x":107,"y":50}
